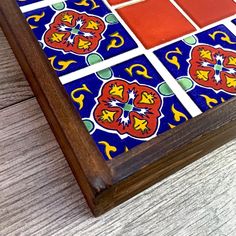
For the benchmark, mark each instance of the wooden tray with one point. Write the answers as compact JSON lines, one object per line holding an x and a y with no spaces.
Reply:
{"x":107,"y":183}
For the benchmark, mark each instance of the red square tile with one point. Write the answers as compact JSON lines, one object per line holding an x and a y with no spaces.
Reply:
{"x":114,"y":2}
{"x":155,"y":22}
{"x":205,"y":12}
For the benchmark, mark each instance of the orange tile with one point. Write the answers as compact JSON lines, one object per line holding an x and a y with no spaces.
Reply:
{"x":114,"y":2}
{"x":205,"y":12}
{"x":155,"y":22}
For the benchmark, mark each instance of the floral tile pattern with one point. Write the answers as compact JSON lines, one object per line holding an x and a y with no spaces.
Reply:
{"x":76,"y":34}
{"x":125,"y":105}
{"x":205,"y":64}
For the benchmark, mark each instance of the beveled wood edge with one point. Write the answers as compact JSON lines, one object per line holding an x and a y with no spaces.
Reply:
{"x":164,"y":155}
{"x":84,"y":158}
{"x":106,"y":184}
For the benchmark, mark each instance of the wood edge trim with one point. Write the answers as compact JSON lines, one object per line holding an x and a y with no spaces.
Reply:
{"x":139,"y":180}
{"x":92,"y":186}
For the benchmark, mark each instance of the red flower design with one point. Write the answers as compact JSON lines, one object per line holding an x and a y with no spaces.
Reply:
{"x":128,"y":108}
{"x":214,"y":68}
{"x":75,"y":32}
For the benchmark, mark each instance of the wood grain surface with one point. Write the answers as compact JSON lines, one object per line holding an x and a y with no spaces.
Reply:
{"x":39,"y":195}
{"x":13,"y":86}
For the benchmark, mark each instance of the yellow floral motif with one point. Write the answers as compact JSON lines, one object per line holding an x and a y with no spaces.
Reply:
{"x":231,"y":82}
{"x":117,"y":91}
{"x":225,"y":37}
{"x":172,"y":126}
{"x":36,"y":18}
{"x":56,"y":37}
{"x":209,"y":101}
{"x":232,"y":61}
{"x":177,"y":114}
{"x":107,"y":116}
{"x":67,"y":18}
{"x":80,"y":99}
{"x":140,"y":125}
{"x":92,"y":25}
{"x":114,"y":43}
{"x":86,"y":4}
{"x":206,"y":54}
{"x":64,"y":64}
{"x":108,"y":148}
{"x":142,"y":72}
{"x":174,"y":60}
{"x":203,"y":75}
{"x":147,"y":98}
{"x":84,"y":44}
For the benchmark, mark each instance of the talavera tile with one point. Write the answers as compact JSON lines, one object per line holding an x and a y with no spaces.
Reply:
{"x":205,"y":64}
{"x":125,"y":105}
{"x":76,"y":34}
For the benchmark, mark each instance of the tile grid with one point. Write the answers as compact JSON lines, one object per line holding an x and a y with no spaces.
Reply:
{"x":224,"y":21}
{"x":177,"y":6}
{"x":186,"y":100}
{"x":183,"y":97}
{"x":125,"y":4}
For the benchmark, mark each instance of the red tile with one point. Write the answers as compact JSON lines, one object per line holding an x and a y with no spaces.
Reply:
{"x":114,"y":2}
{"x":155,"y":22}
{"x":205,"y":12}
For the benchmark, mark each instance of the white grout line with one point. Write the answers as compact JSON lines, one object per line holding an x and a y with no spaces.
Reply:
{"x":39,"y":5}
{"x":99,"y":66}
{"x":225,"y":21}
{"x":231,"y":26}
{"x":183,"y":97}
{"x":185,"y":15}
{"x":140,"y":45}
{"x":125,"y":4}
{"x":179,"y":92}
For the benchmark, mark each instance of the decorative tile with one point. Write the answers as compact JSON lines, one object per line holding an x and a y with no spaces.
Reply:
{"x":205,"y":12}
{"x":155,"y":22}
{"x":26,"y":2}
{"x":205,"y":64}
{"x":125,"y":105}
{"x":76,"y":34}
{"x":234,"y":21}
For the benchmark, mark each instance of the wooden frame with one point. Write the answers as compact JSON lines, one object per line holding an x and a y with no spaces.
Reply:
{"x":107,"y":184}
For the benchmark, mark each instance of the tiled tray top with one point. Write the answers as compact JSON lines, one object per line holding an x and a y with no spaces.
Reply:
{"x":134,"y":69}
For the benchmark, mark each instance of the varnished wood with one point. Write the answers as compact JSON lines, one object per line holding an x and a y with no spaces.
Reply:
{"x":39,"y":195}
{"x":107,"y":184}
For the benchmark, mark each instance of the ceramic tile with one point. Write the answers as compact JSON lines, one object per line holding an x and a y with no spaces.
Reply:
{"x":205,"y":12}
{"x":125,"y":105}
{"x":26,"y":2}
{"x":76,"y":34}
{"x":205,"y":64}
{"x":234,"y":21}
{"x":155,"y":22}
